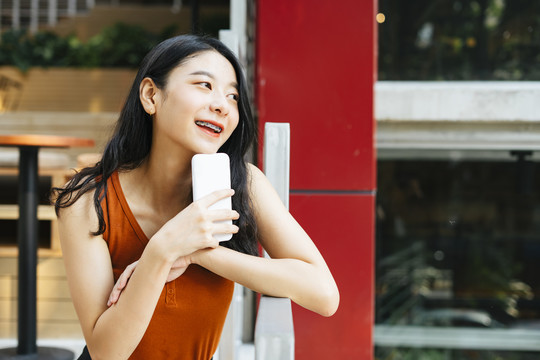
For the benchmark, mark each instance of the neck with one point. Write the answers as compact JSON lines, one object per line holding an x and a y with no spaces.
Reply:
{"x":163,"y":182}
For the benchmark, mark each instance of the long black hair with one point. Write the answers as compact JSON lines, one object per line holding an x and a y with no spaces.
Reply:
{"x":131,"y":141}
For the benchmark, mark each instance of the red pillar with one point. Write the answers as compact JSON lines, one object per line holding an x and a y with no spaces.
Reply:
{"x":316,"y":70}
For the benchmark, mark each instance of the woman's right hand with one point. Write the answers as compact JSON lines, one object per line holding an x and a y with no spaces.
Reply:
{"x":194,"y":227}
{"x":177,"y":269}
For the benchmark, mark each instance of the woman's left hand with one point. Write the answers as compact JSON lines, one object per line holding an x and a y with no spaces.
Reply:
{"x":177,"y":269}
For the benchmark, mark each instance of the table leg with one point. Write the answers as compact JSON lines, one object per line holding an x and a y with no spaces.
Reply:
{"x":27,"y":238}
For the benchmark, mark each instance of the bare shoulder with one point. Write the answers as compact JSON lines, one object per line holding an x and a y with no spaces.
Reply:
{"x":253,"y":171}
{"x":257,"y":180}
{"x":82,"y":211}
{"x":77,"y":220}
{"x":267,"y":204}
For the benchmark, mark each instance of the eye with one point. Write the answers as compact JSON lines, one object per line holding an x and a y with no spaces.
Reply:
{"x":233,"y":97}
{"x":205,"y":84}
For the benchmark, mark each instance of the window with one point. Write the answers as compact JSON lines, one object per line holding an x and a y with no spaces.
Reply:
{"x":457,"y":255}
{"x":459,"y":40}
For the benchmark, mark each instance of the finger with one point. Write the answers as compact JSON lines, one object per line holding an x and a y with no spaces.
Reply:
{"x":223,"y":214}
{"x":111,"y":300}
{"x":115,"y":293}
{"x":113,"y":297}
{"x":117,"y":290}
{"x":224,"y":228}
{"x":121,"y":283}
{"x":123,"y":280}
{"x":176,"y":273}
{"x":215,"y":196}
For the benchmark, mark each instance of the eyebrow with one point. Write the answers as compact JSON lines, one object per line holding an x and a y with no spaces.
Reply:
{"x":211,"y":76}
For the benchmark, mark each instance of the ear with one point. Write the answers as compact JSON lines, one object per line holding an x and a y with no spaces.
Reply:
{"x":147,"y":95}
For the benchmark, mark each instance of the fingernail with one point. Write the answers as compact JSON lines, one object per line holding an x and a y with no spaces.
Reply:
{"x":109,"y":303}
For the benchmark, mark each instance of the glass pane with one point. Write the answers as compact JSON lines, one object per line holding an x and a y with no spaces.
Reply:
{"x":437,"y":354}
{"x":458,"y":247}
{"x":459,"y":40}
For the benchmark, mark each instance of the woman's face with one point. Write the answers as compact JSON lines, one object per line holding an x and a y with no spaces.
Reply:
{"x":198,"y":109}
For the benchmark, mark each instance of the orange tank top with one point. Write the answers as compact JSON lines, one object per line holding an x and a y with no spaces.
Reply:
{"x":191,"y":311}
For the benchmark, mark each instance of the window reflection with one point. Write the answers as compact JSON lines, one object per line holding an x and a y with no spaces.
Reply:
{"x":458,"y":249}
{"x":459,"y":40}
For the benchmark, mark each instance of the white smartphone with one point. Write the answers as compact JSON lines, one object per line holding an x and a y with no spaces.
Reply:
{"x":211,"y":172}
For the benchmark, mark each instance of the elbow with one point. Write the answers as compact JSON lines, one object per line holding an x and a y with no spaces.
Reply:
{"x":100,"y":354}
{"x":95,"y":354}
{"x":329,"y":301}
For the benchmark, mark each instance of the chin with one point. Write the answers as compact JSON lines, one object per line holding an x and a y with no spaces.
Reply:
{"x":206,"y":147}
{"x":206,"y":150}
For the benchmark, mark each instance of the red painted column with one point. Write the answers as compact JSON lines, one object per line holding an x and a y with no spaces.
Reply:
{"x":316,"y":70}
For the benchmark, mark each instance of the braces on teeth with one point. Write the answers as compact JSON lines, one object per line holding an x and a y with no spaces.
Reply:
{"x":216,"y":129}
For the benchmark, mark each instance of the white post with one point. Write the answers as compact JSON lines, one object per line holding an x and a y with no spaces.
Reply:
{"x":274,"y":335}
{"x":176,"y":6}
{"x":277,"y":148}
{"x":34,"y":16}
{"x":238,"y":26}
{"x":231,"y":345}
{"x":230,"y":39}
{"x":52,"y":14}
{"x":274,"y":330}
{"x":72,"y":7}
{"x":16,"y":15}
{"x":231,"y":337}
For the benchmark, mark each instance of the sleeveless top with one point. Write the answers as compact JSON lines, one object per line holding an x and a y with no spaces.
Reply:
{"x":191,"y":310}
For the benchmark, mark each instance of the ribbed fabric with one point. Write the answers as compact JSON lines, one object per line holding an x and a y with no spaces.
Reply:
{"x":191,"y":310}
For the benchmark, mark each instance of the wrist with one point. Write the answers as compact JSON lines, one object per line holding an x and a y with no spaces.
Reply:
{"x":200,"y":257}
{"x":159,"y":252}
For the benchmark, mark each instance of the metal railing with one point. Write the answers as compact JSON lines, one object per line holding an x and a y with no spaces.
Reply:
{"x":398,"y":282}
{"x":30,"y":14}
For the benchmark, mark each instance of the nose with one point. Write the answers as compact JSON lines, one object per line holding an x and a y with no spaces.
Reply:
{"x":220,"y":106}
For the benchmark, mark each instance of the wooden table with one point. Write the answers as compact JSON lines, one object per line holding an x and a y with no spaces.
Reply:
{"x":27,"y":238}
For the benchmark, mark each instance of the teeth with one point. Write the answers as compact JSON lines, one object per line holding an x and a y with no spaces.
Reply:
{"x":216,"y":129}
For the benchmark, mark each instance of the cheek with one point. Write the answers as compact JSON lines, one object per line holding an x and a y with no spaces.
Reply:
{"x":234,"y":120}
{"x":233,"y":125}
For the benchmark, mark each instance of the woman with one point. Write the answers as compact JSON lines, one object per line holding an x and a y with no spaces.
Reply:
{"x":133,"y":212}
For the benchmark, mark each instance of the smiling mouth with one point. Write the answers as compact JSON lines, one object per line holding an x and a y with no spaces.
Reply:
{"x":208,"y":125}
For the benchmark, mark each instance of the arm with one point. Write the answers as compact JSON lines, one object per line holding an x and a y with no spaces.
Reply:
{"x":296,"y":269}
{"x":114,"y":332}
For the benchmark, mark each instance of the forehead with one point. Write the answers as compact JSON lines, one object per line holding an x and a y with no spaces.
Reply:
{"x":207,"y":61}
